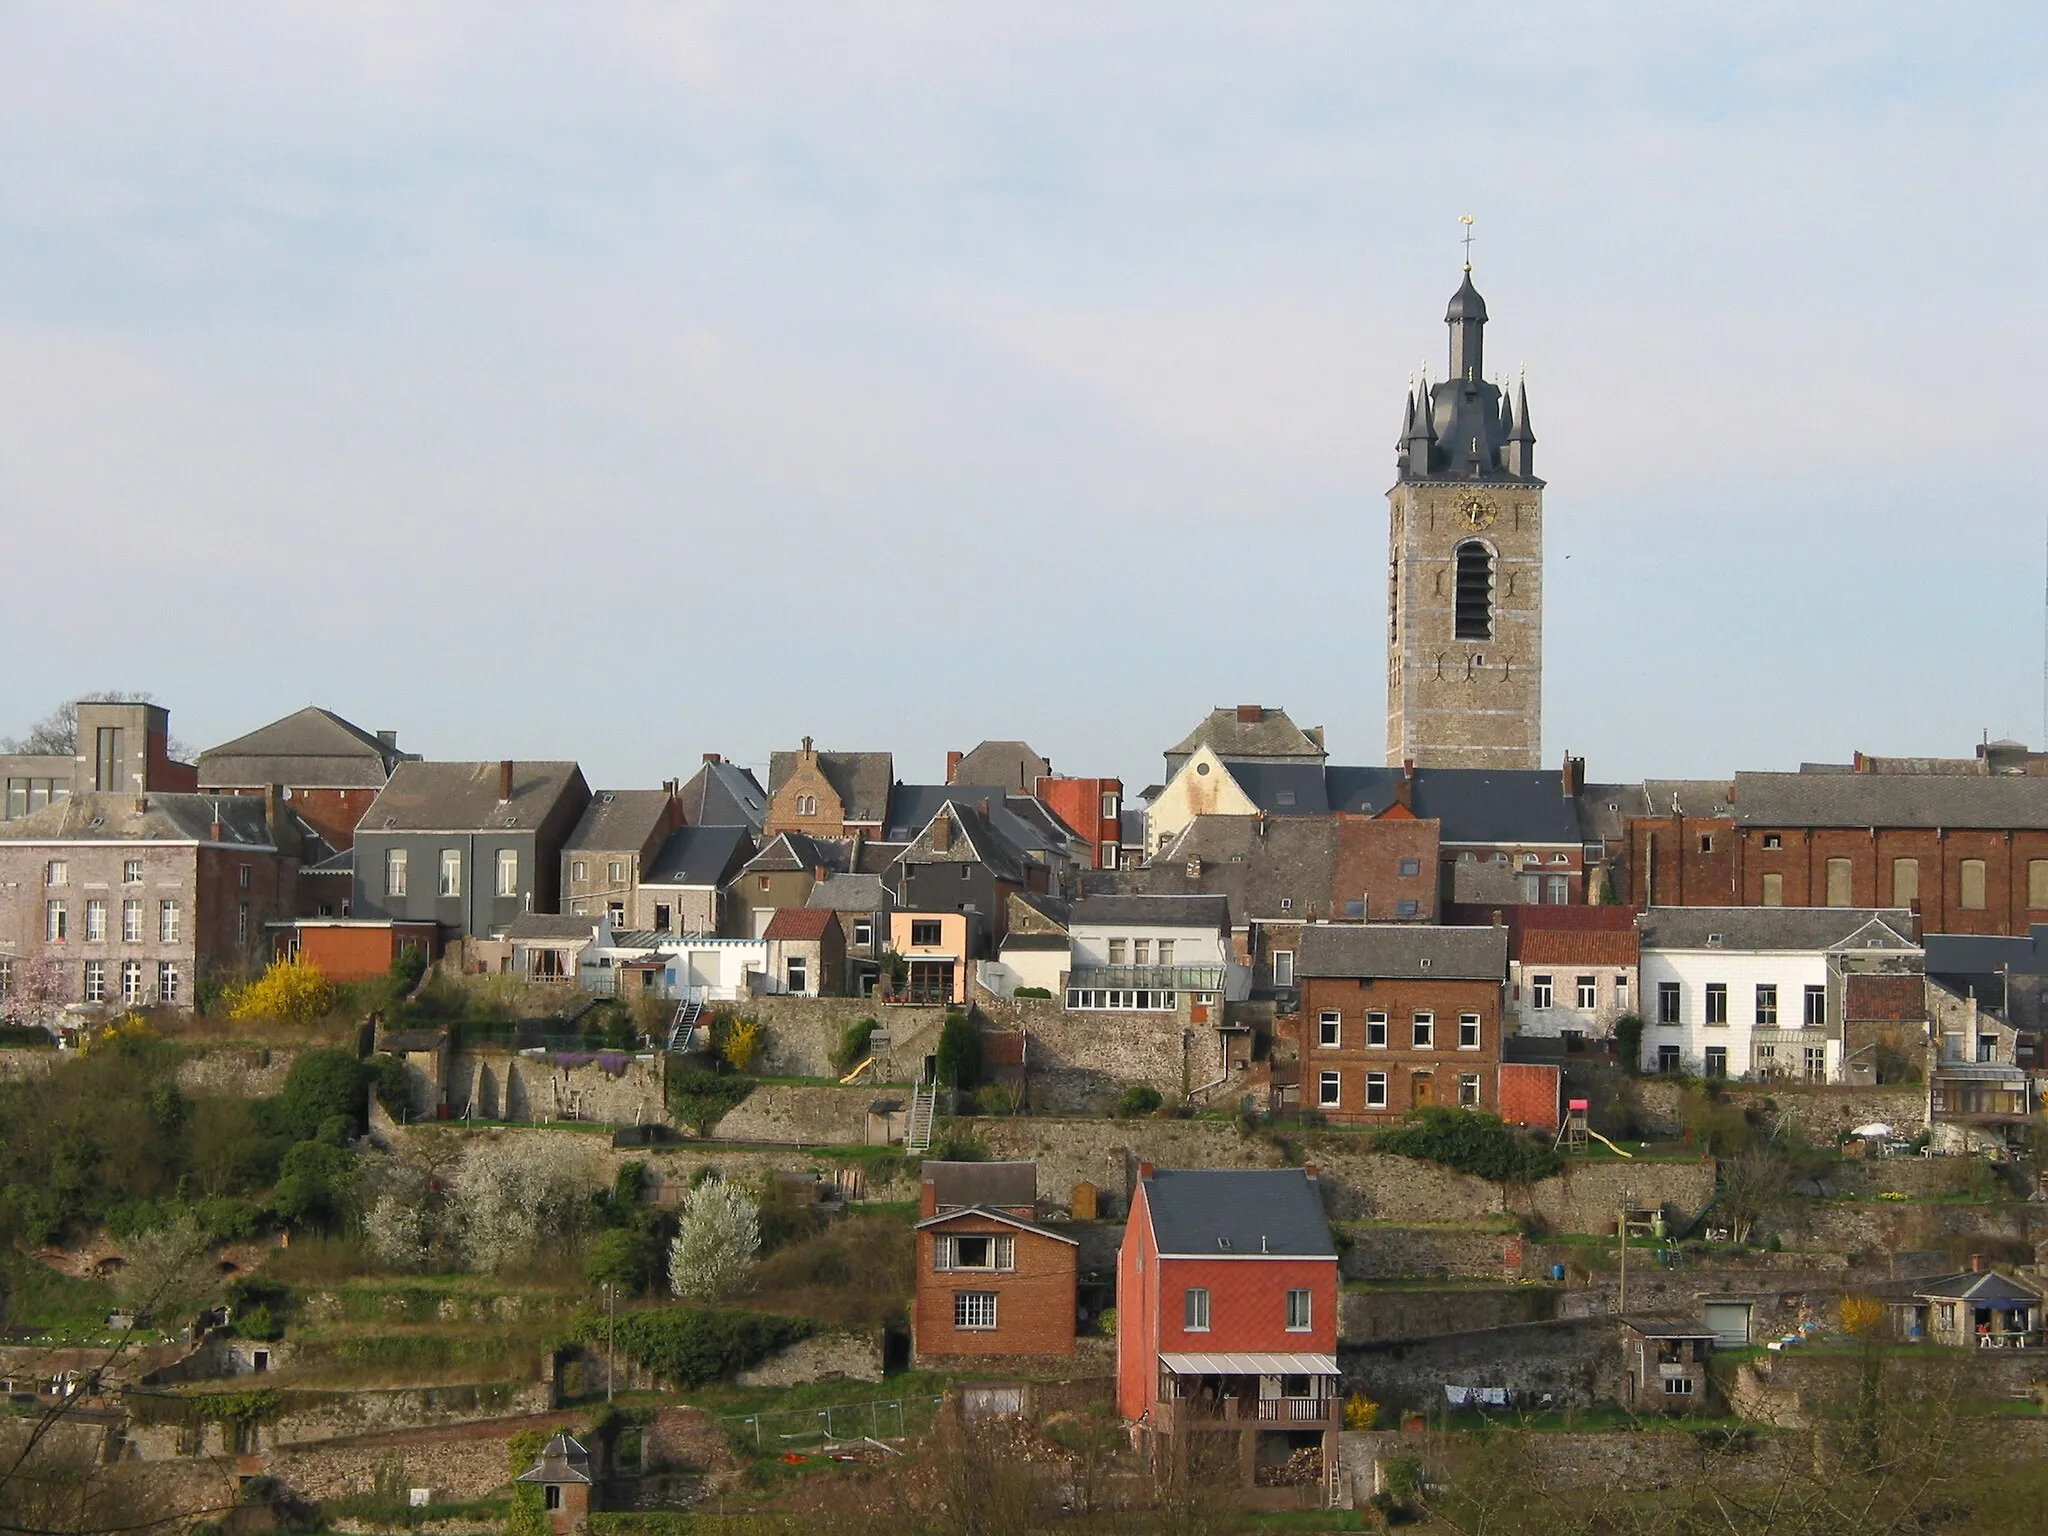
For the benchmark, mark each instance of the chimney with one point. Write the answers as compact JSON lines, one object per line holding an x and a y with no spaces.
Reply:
{"x":984,"y":810}
{"x":807,"y":748}
{"x":1404,"y":787}
{"x":712,"y":758}
{"x":928,"y":1198}
{"x":1574,"y":776}
{"x":1976,"y":1263}
{"x":942,"y":832}
{"x":1311,"y":1169}
{"x":1194,"y":866}
{"x":1250,"y":714}
{"x":671,"y":787}
{"x":953,"y":766}
{"x":388,"y":740}
{"x":504,"y":780}
{"x":818,"y":873}
{"x":1145,"y":1170}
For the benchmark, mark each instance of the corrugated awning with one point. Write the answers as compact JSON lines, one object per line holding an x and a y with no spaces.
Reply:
{"x":1250,"y":1365}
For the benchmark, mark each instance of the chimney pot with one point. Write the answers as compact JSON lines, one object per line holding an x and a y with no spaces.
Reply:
{"x":807,"y":747}
{"x":1977,"y":1263}
{"x":711,"y":757}
{"x":928,"y":1199}
{"x":1311,"y":1169}
{"x":1250,"y":714}
{"x":1145,"y":1170}
{"x":505,"y":779}
{"x":984,"y":810}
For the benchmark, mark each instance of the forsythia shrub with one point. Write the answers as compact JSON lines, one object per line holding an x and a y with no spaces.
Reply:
{"x":290,"y":992}
{"x":1861,"y":1315}
{"x":743,"y":1044}
{"x":1360,"y":1411}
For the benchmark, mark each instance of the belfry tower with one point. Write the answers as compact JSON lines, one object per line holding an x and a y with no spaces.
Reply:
{"x":1465,"y":567}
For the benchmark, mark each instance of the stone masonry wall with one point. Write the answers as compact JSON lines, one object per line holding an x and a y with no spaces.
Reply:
{"x":251,"y":1072}
{"x":823,"y":1357}
{"x":1824,"y":1112}
{"x":1402,"y":1253}
{"x":1366,"y":1316}
{"x":802,"y":1114}
{"x":1577,"y":1363}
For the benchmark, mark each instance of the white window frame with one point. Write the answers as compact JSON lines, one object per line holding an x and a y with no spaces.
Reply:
{"x":1283,"y":967}
{"x":56,"y":922}
{"x":1141,"y":951}
{"x":1588,"y":992}
{"x":1375,"y":1090}
{"x":1470,"y":1030}
{"x":578,"y":871}
{"x":615,"y":872}
{"x":1542,"y":993}
{"x":95,"y":921}
{"x":797,"y":969}
{"x":449,"y":882}
{"x":974,"y":1311}
{"x":1376,"y":1031}
{"x":508,"y":872}
{"x":57,"y":872}
{"x":1300,"y":1305}
{"x":1002,"y":1253}
{"x":131,"y":922}
{"x":1468,"y":1090}
{"x":1194,"y":1309}
{"x":864,"y":931}
{"x":1329,"y":1090}
{"x":1109,"y":855}
{"x":95,"y":981}
{"x":131,"y":872}
{"x":1330,"y":1029}
{"x":395,"y":871}
{"x":1714,"y":999}
{"x":169,"y":921}
{"x":133,"y":993}
{"x":1422,"y":1030}
{"x":167,"y":981}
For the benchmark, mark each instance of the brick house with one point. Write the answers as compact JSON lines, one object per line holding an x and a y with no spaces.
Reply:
{"x":137,"y":896}
{"x":806,"y":952}
{"x":609,"y":853}
{"x":1395,"y":1018}
{"x":356,"y":949}
{"x":567,"y":1476}
{"x":828,"y":794}
{"x":332,"y":768}
{"x":991,"y":1281}
{"x":1572,"y":971}
{"x":781,"y":873}
{"x":1226,"y":1340}
{"x":1092,"y":809}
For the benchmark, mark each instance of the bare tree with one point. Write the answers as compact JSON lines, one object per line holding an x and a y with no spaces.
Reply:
{"x":56,"y":734}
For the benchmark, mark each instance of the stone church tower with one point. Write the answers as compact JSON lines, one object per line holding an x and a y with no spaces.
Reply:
{"x":1465,"y":568}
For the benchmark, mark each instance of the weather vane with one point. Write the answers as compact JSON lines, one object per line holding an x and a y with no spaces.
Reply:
{"x":1466,"y":220}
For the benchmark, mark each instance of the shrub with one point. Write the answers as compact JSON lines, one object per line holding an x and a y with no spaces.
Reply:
{"x":713,"y":1252}
{"x":742,"y":1044}
{"x":617,"y":1258}
{"x":1861,"y":1315}
{"x":1360,"y":1411}
{"x":528,"y":1515}
{"x":407,"y":968}
{"x":1138,"y":1099}
{"x":959,"y":1142}
{"x":996,"y":1099}
{"x":289,"y":992}
{"x":694,"y":1346}
{"x":1470,"y":1142}
{"x":321,"y":1085}
{"x":1032,"y":992}
{"x":519,"y":1197}
{"x":959,"y":1053}
{"x":1105,"y":1320}
{"x":701,"y":1099}
{"x":394,"y":1088}
{"x":1628,"y":1042}
{"x":853,"y":1045}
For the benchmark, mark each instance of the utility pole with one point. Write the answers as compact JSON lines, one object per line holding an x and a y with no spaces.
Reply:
{"x":1628,"y":1198}
{"x":611,"y":1328}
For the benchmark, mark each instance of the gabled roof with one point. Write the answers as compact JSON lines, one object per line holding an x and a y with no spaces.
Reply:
{"x":975,"y":841}
{"x":1255,"y":864}
{"x":562,"y":1460}
{"x":849,"y":893}
{"x":463,"y":797}
{"x":1475,"y":805}
{"x":1210,"y":913}
{"x":1890,"y":800}
{"x":1969,"y":954}
{"x":1011,"y":764}
{"x":1249,"y":731}
{"x":1978,"y":1285}
{"x":1413,"y":951}
{"x":800,"y":923}
{"x":860,"y":779}
{"x":796,"y":850}
{"x":111,"y":818}
{"x":1283,"y":788}
{"x":1579,"y":946}
{"x":1778,"y":928}
{"x":724,"y":794}
{"x":991,"y":1184}
{"x":698,"y":856}
{"x":311,"y":748}
{"x":1003,"y":1218}
{"x":1692,"y":797}
{"x":1237,"y":1213}
{"x":619,"y":821}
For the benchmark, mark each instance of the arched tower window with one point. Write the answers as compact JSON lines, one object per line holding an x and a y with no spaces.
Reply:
{"x":1474,"y":619}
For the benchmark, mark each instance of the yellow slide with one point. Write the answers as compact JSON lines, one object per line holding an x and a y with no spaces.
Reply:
{"x":1610,"y":1146}
{"x":856,"y":1072}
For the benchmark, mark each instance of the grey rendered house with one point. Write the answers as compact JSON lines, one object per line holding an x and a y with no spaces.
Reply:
{"x":683,"y":888}
{"x":606,"y":857}
{"x":471,"y":846}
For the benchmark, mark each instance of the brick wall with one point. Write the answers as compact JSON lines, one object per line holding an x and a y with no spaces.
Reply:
{"x":1412,"y":1076}
{"x":1034,"y":1303}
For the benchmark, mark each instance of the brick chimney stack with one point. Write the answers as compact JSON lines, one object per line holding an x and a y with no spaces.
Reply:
{"x":1250,"y":714}
{"x":504,"y":780}
{"x":1145,"y":1170}
{"x":1574,"y":776}
{"x":713,"y":758}
{"x":942,"y":833}
{"x":928,"y":1198}
{"x":953,"y":766}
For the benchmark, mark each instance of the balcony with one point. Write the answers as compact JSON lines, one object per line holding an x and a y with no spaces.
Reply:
{"x":1243,"y":1412}
{"x":1155,"y":978}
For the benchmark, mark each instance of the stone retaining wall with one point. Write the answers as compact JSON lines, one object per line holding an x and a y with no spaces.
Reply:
{"x":1576,"y":1363}
{"x":1404,"y":1253}
{"x":1824,"y":1112}
{"x":822,"y":1357}
{"x":803,"y":1114}
{"x":1367,"y":1316}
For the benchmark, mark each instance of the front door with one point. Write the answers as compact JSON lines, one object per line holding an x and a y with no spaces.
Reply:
{"x":1421,"y":1094}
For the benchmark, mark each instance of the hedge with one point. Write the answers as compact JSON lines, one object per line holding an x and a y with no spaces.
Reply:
{"x":693,"y":1346}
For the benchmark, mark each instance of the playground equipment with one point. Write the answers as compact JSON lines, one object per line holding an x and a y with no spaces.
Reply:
{"x":1572,"y":1135}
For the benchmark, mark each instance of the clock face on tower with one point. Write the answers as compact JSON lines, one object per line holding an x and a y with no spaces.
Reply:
{"x":1477,"y":511}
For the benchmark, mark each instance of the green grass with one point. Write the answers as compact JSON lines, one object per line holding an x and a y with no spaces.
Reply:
{"x":44,"y":1303}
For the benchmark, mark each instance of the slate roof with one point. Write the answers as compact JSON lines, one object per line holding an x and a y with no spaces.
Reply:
{"x":1694,"y":797}
{"x":463,"y":797}
{"x":1010,"y":763}
{"x":311,"y":748}
{"x":798,"y":850}
{"x":1974,"y":1285}
{"x":1475,"y":805}
{"x":1401,"y":950}
{"x":1222,"y":1213}
{"x":801,"y":923}
{"x":976,"y":839}
{"x":1960,"y":954}
{"x":1046,"y":943}
{"x":110,"y":818}
{"x":1890,"y":800}
{"x":962,"y":1184}
{"x":723,"y":794}
{"x":1283,"y":788}
{"x":1291,"y":859}
{"x":849,"y":893}
{"x":619,"y":820}
{"x":1271,"y":735}
{"x":698,"y":856}
{"x":562,"y":1460}
{"x":1208,"y":912}
{"x":860,"y":779}
{"x":1054,"y":910}
{"x":1777,"y":928}
{"x":1130,"y":829}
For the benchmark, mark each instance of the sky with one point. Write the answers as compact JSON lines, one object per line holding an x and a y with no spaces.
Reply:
{"x":635,"y":381}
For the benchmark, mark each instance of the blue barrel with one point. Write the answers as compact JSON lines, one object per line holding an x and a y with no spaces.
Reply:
{"x":1557,"y":1271}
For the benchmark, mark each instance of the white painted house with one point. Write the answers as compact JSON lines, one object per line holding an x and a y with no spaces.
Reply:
{"x":1757,"y":992}
{"x":706,"y":969}
{"x":1148,"y":954}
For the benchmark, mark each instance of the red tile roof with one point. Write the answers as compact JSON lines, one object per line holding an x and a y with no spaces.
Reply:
{"x":800,"y":923}
{"x":1564,"y":946}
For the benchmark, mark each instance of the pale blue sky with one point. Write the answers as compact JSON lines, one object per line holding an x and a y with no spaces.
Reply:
{"x":631,"y":381}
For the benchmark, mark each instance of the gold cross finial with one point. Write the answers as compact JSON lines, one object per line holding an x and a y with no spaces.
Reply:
{"x":1466,"y":220}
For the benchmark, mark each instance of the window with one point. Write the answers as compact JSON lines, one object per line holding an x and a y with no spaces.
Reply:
{"x":1410,"y":868}
{"x":242,"y":877}
{"x":1376,"y":1031}
{"x":764,"y":882}
{"x":1667,"y":1058}
{"x":1558,"y":890}
{"x":168,"y":922}
{"x":1375,"y":1090}
{"x":1407,"y":908}
{"x":1283,"y":967}
{"x":1972,"y":897}
{"x":1195,"y":1309}
{"x":1621,"y":992}
{"x":1816,"y":1005}
{"x":1539,"y":993}
{"x":615,"y":871}
{"x":974,"y":1311}
{"x":1286,"y":903}
{"x":1109,"y":851}
{"x":57,"y":872}
{"x":107,"y":755}
{"x":1773,"y":840}
{"x":615,"y":911}
{"x":1141,"y":951}
{"x":394,"y":872}
{"x":242,"y":922}
{"x":95,"y":981}
{"x":799,"y":973}
{"x":1717,"y":1061}
{"x":552,"y":1495}
{"x":508,"y":871}
{"x":1109,"y":806}
{"x":578,"y":871}
{"x":1468,"y":1090}
{"x":56,"y":922}
{"x":1906,"y":882}
{"x":1588,"y":989}
{"x":1767,"y":1002}
{"x":6,"y":977}
{"x":1774,"y":890}
{"x":863,"y":930}
{"x":1474,"y":613}
{"x":1717,"y":1002}
{"x":131,"y":872}
{"x":1329,"y":1090}
{"x":924,"y":932}
{"x":131,"y":922}
{"x":167,"y":981}
{"x":1330,"y":1029}
{"x":807,"y":805}
{"x":1468,"y":1031}
{"x":1298,"y":1311}
{"x":1166,"y":951}
{"x":451,"y":872}
{"x":1678,"y":1386}
{"x":1667,"y":1002}
{"x":664,"y":916}
{"x":1839,"y":883}
{"x":95,"y":921}
{"x":975,"y":1252}
{"x":1423,"y":1031}
{"x":131,"y":982}
{"x":1119,"y":949}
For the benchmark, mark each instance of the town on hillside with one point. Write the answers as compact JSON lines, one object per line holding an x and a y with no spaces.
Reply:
{"x":1444,"y":1138}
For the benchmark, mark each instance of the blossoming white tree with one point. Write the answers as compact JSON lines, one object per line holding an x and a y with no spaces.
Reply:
{"x":713,"y":1252}
{"x":516,"y":1196}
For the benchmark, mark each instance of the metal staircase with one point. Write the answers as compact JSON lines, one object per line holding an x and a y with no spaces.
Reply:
{"x":684,"y":1025}
{"x":924,"y":1106}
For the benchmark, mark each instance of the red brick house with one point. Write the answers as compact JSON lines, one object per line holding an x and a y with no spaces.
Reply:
{"x":1090,"y":809}
{"x":566,"y":1476}
{"x":1227,"y":1327}
{"x":991,"y":1282}
{"x":1395,"y":1018}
